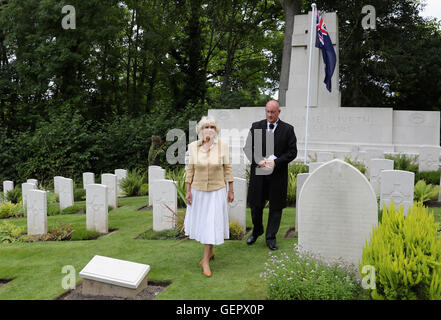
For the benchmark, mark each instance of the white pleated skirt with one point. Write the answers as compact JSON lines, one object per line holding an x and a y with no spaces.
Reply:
{"x":206,"y":219}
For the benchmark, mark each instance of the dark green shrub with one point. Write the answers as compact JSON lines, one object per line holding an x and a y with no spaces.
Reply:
{"x":53,"y":209}
{"x":430,"y":177}
{"x":131,"y":185}
{"x":144,"y":190}
{"x":79,"y":195}
{"x":404,"y":162}
{"x":14,"y":195}
{"x":178,"y":175}
{"x":357,"y":164}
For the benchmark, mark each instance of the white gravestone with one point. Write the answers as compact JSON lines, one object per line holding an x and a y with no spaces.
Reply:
{"x":34,"y":181}
{"x":97,"y":208}
{"x":165,"y":195}
{"x":338,"y":209}
{"x":66,"y":193}
{"x":397,"y":186}
{"x":109,"y":180}
{"x":88,"y":178}
{"x":237,"y":209}
{"x":376,"y":166}
{"x":57,"y":180}
{"x":25,"y":188}
{"x":36,"y":212}
{"x":314,"y":165}
{"x":7,"y":186}
{"x":155,"y":173}
{"x":428,"y":159}
{"x":104,"y":276}
{"x":120,"y":174}
{"x":301,"y":178}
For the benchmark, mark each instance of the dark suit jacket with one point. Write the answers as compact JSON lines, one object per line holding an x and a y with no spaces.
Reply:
{"x":285,"y":149}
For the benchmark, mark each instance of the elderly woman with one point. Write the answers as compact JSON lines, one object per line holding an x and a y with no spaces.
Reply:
{"x":208,"y":171}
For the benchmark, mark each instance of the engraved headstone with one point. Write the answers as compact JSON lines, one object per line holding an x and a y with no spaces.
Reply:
{"x":397,"y":186}
{"x":428,"y":159}
{"x":120,"y":174}
{"x":66,"y":193}
{"x":104,"y":276}
{"x":25,"y":188}
{"x":238,"y":208}
{"x":338,"y":209}
{"x":376,"y":166}
{"x":301,"y":178}
{"x":7,"y":186}
{"x":96,"y":208}
{"x":109,"y":180}
{"x":34,"y":181}
{"x":36,"y":212}
{"x":88,"y":178}
{"x":155,"y":173}
{"x":165,"y":195}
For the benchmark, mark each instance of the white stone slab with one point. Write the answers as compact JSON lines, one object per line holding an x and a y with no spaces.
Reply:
{"x":338,"y":209}
{"x":96,"y":208}
{"x":165,"y":194}
{"x":154,"y":173}
{"x":428,"y":159}
{"x":88,"y":178}
{"x":57,"y":180}
{"x":120,"y":174}
{"x":66,"y":193}
{"x":301,"y":178}
{"x":376,"y":166}
{"x":397,"y":186}
{"x":115,"y":271}
{"x":7,"y":186}
{"x":109,"y":180}
{"x":237,"y":209}
{"x":36,"y":212}
{"x":25,"y":188}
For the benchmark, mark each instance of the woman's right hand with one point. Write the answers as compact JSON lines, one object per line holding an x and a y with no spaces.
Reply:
{"x":188,"y":197}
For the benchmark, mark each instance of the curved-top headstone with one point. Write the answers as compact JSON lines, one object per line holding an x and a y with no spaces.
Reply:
{"x":337,"y":210}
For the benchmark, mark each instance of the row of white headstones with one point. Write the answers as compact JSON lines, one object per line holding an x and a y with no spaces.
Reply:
{"x":98,"y":198}
{"x":163,"y":198}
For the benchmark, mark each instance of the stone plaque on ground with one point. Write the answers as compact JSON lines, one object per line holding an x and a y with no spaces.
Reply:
{"x":376,"y":166}
{"x":104,"y":276}
{"x":96,"y":208}
{"x":7,"y":186}
{"x":397,"y":186}
{"x":66,"y":193}
{"x":237,"y":209}
{"x":36,"y":212}
{"x":88,"y":178}
{"x":301,"y":178}
{"x":109,"y":180}
{"x":165,"y":195}
{"x":155,"y":173}
{"x":337,"y":210}
{"x":120,"y":174}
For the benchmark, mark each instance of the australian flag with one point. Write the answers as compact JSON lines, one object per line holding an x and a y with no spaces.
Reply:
{"x":323,"y":41}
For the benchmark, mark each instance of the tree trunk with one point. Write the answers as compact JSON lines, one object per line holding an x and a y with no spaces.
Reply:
{"x":291,"y":8}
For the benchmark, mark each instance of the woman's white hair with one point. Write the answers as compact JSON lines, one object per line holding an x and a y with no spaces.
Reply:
{"x":206,"y":120}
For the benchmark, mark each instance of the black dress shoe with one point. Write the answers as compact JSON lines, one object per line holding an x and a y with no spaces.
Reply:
{"x":272,"y":244}
{"x":252,"y":239}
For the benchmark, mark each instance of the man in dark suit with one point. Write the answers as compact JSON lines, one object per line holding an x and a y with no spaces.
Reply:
{"x":271,"y":145}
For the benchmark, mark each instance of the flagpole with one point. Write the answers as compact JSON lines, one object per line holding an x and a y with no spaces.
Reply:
{"x":308,"y":97}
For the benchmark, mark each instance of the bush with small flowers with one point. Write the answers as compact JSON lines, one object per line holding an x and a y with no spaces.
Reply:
{"x":299,"y":275}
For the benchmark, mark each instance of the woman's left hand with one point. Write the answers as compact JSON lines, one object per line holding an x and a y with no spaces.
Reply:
{"x":230,"y":196}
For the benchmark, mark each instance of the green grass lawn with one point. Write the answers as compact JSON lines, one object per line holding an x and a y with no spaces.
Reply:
{"x":36,"y":267}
